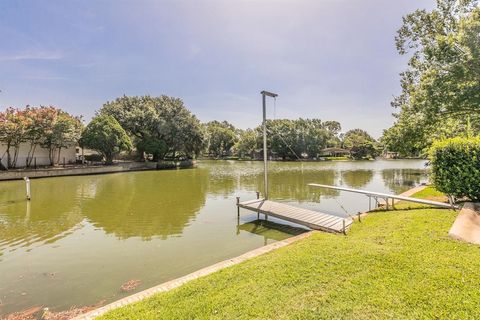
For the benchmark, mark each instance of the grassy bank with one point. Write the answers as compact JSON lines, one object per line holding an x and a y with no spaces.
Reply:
{"x":398,"y":264}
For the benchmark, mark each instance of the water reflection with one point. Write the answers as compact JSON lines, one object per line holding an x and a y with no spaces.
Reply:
{"x":147,"y":205}
{"x":267,"y":230}
{"x":356,"y":179}
{"x":44,"y":219}
{"x":400,"y":179}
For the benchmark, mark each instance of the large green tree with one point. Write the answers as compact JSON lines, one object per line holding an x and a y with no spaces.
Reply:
{"x":161,"y":126}
{"x":248,"y":143}
{"x":360,"y":144}
{"x":441,"y":87}
{"x":300,"y":138}
{"x":221,"y":137}
{"x":105,"y":135}
{"x":179,"y":128}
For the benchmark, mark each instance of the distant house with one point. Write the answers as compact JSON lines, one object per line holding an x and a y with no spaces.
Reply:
{"x":334,"y":152}
{"x":40,"y":157}
{"x":390,"y":155}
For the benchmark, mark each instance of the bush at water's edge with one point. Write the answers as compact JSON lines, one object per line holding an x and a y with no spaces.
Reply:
{"x":456,"y":167}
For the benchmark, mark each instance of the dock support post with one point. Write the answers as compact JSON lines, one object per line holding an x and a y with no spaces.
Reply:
{"x":369,"y":203}
{"x":265,"y":153}
{"x":265,"y":165}
{"x":393,"y":204}
{"x":27,"y":186}
{"x":359,"y":214}
{"x":386,"y":201}
{"x":238,"y":208}
{"x":258,"y":195}
{"x":344,"y":229}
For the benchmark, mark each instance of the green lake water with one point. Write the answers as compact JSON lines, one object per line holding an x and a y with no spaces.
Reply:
{"x":82,"y":237}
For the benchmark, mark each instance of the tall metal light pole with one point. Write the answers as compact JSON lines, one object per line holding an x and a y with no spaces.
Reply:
{"x":265,"y":165}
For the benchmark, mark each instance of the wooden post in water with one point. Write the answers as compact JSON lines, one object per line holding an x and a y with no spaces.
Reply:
{"x":27,"y":186}
{"x":238,"y":208}
{"x":258,"y":213}
{"x":265,"y":165}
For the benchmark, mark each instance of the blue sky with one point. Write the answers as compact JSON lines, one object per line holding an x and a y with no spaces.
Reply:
{"x":328,"y":59}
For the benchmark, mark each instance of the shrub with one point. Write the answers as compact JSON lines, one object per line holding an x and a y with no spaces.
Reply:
{"x":456,"y":167}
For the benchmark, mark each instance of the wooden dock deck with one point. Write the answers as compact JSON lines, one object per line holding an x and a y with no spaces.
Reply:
{"x":309,"y":218}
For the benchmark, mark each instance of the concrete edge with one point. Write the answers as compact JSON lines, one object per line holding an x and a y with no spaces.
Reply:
{"x":76,"y":171}
{"x":175,"y":283}
{"x":466,"y":226}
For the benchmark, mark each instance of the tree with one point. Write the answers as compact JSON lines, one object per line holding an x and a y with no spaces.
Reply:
{"x":105,"y":135}
{"x":247,"y":144}
{"x":411,"y":136}
{"x":13,"y":128}
{"x":154,"y":146}
{"x":40,"y":123}
{"x":333,"y":128}
{"x":157,"y":122}
{"x":179,"y":128}
{"x":441,"y":87}
{"x":360,"y":144}
{"x":63,"y":131}
{"x":443,"y":77}
{"x":301,"y":138}
{"x":138,"y":117}
{"x":282,"y":139}
{"x":221,"y":137}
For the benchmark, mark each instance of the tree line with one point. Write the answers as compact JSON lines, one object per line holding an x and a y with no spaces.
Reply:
{"x":163,"y":128}
{"x":287,"y":140}
{"x":440,"y":95}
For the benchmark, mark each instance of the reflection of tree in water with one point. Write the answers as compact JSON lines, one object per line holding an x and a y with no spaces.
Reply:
{"x":399,"y":180}
{"x":147,"y":204}
{"x":222,"y":183}
{"x":357,"y":178}
{"x":293,"y":184}
{"x":48,"y":217}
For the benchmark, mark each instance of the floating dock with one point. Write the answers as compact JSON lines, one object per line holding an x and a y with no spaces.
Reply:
{"x":308,"y":218}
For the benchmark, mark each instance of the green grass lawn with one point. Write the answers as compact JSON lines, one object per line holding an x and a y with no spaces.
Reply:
{"x":396,"y":264}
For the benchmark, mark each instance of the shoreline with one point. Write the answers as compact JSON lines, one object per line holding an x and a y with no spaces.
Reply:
{"x":177,"y":282}
{"x":76,"y":171}
{"x":118,"y":167}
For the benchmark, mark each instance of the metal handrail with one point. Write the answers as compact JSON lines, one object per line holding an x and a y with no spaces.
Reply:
{"x":387,"y":196}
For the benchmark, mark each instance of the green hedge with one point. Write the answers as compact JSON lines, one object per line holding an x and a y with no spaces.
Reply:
{"x":456,"y":167}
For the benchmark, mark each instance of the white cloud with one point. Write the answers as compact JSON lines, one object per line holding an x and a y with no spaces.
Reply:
{"x":31,"y":56}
